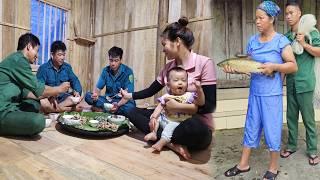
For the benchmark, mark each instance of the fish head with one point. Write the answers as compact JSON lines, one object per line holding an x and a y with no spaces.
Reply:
{"x":223,"y":63}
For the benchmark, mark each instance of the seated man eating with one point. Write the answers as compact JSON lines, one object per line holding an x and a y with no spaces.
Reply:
{"x":53,"y":73}
{"x":113,"y":77}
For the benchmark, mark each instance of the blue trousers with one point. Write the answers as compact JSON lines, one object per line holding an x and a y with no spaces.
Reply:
{"x":264,"y":113}
{"x":123,"y":110}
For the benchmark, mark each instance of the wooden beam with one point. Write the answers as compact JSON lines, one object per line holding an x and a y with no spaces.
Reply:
{"x":126,"y":30}
{"x":14,"y":26}
{"x":62,"y":4}
{"x":318,"y":12}
{"x":163,"y":11}
{"x":198,"y":19}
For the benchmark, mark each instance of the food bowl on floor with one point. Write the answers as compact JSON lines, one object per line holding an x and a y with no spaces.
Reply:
{"x":108,"y":106}
{"x":93,"y":123}
{"x":70,"y":120}
{"x":48,"y":122}
{"x":54,"y":116}
{"x":116,"y":119}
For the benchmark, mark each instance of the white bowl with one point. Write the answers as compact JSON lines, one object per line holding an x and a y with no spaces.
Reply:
{"x":67,"y":119}
{"x":68,"y":116}
{"x":48,"y":122}
{"x":116,"y":119}
{"x":54,"y":116}
{"x":107,"y":106}
{"x":94,"y":123}
{"x":75,"y":100}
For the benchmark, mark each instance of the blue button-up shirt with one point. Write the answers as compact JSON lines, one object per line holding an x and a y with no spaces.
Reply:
{"x":52,"y":77}
{"x":123,"y":79}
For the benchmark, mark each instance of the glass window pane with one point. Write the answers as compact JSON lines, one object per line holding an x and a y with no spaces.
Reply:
{"x":48,"y":23}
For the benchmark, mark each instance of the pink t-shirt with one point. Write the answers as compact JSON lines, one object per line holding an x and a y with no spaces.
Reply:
{"x":199,"y":68}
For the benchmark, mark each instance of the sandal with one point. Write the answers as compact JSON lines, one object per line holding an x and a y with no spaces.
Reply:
{"x":285,"y":152}
{"x":235,"y":171}
{"x":311,"y":160}
{"x":270,"y":175}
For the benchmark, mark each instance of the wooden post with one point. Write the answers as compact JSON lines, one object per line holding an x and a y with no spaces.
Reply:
{"x":162,"y":22}
{"x":318,"y":12}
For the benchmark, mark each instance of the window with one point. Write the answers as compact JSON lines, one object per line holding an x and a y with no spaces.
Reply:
{"x":49,"y":24}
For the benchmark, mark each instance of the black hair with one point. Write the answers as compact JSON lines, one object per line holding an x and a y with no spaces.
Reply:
{"x":57,"y":45}
{"x":179,"y":30}
{"x":176,"y":69}
{"x":293,"y":3}
{"x":115,"y":52}
{"x":27,"y":38}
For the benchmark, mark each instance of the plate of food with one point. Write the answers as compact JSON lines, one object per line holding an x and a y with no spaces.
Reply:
{"x":93,"y":124}
{"x":116,"y":119}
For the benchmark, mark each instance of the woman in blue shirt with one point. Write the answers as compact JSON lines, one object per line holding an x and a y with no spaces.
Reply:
{"x":265,"y":98}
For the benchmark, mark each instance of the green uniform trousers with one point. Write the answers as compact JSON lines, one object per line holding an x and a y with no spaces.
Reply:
{"x":301,"y":102}
{"x":27,"y":121}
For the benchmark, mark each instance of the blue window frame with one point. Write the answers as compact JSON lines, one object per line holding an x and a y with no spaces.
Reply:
{"x":49,"y":24}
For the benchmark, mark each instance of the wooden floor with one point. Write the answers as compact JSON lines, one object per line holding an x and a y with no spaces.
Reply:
{"x":57,"y":155}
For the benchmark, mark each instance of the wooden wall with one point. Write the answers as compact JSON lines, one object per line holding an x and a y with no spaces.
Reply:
{"x":135,"y":26}
{"x":14,"y":21}
{"x":80,"y":24}
{"x":318,"y":12}
{"x":131,"y":25}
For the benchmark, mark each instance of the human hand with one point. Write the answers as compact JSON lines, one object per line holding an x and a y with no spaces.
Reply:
{"x":152,"y":123}
{"x":64,"y":87}
{"x":228,"y":69}
{"x":114,"y":108}
{"x":125,"y":95}
{"x":301,"y":39}
{"x":171,"y":105}
{"x":94,"y":96}
{"x":267,"y":68}
{"x":76,"y":94}
{"x":53,"y":101}
{"x":197,"y":84}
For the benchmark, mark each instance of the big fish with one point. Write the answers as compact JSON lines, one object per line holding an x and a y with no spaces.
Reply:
{"x":242,"y":65}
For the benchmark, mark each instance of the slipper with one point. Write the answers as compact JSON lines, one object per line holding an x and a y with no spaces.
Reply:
{"x":235,"y":171}
{"x":285,"y":152}
{"x":311,"y":160}
{"x":270,"y":175}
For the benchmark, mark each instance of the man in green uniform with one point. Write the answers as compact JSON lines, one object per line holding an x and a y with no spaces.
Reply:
{"x":20,"y":90}
{"x":300,"y":87}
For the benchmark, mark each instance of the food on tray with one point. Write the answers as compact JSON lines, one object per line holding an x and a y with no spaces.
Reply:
{"x":108,"y":125}
{"x":116,"y":119}
{"x":71,"y":119}
{"x":93,"y":123}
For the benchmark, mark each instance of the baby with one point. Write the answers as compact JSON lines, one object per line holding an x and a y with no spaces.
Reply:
{"x":177,"y":86}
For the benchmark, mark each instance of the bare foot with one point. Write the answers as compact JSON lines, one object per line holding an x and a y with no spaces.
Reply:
{"x":182,"y":150}
{"x":150,"y":137}
{"x":159,"y":145}
{"x":95,"y":109}
{"x":77,"y":108}
{"x":61,"y":109}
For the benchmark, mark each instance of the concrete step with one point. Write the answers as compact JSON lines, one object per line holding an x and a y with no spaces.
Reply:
{"x":232,"y":108}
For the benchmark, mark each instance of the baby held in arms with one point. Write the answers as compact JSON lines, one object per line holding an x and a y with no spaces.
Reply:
{"x":177,"y":84}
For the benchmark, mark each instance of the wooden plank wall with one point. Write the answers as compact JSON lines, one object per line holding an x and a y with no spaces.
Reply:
{"x":135,"y":26}
{"x":80,"y":55}
{"x":231,"y":31}
{"x":14,"y":21}
{"x":318,"y":12}
{"x":131,"y":25}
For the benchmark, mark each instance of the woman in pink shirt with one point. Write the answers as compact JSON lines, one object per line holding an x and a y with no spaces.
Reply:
{"x":195,"y":132}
